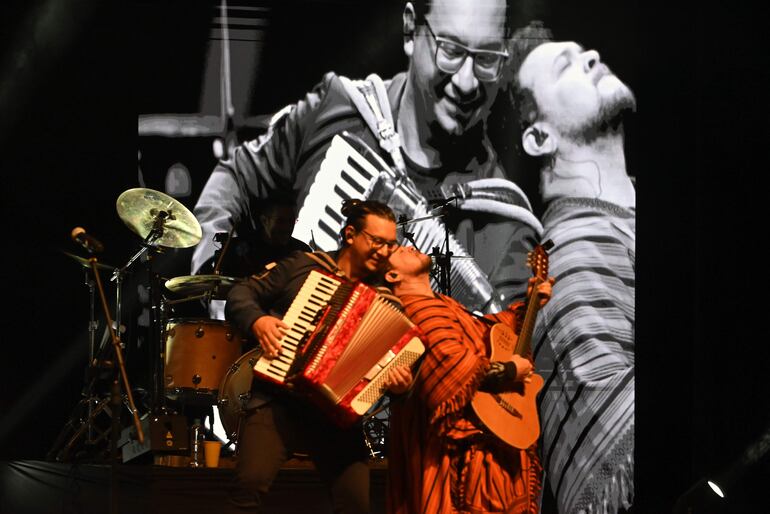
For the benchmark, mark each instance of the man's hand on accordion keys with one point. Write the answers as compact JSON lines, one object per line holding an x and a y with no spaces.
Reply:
{"x":399,"y":379}
{"x":269,"y":330}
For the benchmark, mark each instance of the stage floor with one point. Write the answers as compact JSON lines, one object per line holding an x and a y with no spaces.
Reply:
{"x":39,"y":487}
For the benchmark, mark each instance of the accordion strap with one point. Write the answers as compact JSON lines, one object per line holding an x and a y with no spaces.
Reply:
{"x":492,"y":195}
{"x":325,"y":261}
{"x":371,"y":99}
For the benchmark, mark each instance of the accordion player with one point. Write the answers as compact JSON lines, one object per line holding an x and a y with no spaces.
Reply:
{"x":342,"y":339}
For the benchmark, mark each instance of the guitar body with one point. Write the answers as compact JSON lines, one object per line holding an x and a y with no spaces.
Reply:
{"x":511,"y":415}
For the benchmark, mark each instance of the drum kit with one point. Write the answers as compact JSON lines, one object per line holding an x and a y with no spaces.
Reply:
{"x":197,"y":362}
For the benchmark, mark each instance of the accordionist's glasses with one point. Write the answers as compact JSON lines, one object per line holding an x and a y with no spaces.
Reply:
{"x":377,"y":242}
{"x":450,"y":56}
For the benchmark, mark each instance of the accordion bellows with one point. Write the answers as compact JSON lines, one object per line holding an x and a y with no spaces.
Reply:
{"x":343,"y":339}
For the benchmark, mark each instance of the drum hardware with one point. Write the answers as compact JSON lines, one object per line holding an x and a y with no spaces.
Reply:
{"x":235,"y":393}
{"x":217,"y":285}
{"x":375,"y":427}
{"x":197,"y":355}
{"x":83,"y":418}
{"x":203,"y":296}
{"x":158,"y":218}
{"x":86,"y":263}
{"x":161,"y":221}
{"x":113,"y":404}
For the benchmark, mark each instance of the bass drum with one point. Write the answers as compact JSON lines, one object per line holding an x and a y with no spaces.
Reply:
{"x":235,"y":392}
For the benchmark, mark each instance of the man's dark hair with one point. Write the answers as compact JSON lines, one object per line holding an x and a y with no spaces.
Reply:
{"x":516,"y":110}
{"x":278,"y":198}
{"x":356,"y":211}
{"x":516,"y":12}
{"x":525,"y":40}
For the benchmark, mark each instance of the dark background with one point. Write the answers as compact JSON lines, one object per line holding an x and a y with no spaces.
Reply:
{"x":75,"y":74}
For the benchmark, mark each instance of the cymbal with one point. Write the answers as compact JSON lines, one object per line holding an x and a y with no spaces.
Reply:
{"x":141,"y":209}
{"x":86,"y":263}
{"x":194,"y":284}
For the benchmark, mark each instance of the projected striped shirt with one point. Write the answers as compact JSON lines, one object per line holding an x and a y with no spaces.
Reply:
{"x":584,"y":348}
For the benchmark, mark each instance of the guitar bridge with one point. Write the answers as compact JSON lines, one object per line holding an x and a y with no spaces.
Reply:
{"x":507,"y":406}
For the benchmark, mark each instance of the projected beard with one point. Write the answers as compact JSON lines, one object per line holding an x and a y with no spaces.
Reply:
{"x":608,"y":117}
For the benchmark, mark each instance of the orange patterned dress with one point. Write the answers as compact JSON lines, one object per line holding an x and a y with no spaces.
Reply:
{"x":439,"y":460}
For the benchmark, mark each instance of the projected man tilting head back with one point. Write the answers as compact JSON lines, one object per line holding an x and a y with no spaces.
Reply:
{"x":571,"y":111}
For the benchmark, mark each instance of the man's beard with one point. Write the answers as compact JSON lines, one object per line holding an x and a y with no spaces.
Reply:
{"x":609,"y":117}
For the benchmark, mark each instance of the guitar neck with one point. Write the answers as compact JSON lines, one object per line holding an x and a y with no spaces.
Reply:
{"x":524,"y":341}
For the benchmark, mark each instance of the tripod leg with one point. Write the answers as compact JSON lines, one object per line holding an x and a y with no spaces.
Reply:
{"x":75,"y":432}
{"x":64,"y":436}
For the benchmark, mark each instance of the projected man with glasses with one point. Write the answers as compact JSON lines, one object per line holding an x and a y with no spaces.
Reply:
{"x":438,"y":107}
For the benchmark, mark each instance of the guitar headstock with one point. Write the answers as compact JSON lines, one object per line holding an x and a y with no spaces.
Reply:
{"x":537,"y":260}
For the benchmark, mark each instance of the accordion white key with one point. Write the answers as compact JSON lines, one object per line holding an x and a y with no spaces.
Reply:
{"x":343,"y":339}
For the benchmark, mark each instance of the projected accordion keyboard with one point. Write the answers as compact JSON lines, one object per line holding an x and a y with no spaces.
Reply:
{"x":342,"y":340}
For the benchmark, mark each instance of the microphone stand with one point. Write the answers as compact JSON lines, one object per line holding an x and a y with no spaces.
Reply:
{"x":448,"y":259}
{"x":403,"y":221}
{"x":444,"y":260}
{"x":116,"y":398}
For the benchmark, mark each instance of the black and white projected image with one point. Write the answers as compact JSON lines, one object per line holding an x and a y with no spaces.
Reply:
{"x":470,"y":167}
{"x":559,"y":119}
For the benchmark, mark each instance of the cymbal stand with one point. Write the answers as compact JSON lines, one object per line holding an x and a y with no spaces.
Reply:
{"x":73,"y":429}
{"x":92,"y":325}
{"x":156,"y":314}
{"x":228,"y":238}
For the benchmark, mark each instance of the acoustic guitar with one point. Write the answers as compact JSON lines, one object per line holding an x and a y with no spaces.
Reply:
{"x":511,"y":415}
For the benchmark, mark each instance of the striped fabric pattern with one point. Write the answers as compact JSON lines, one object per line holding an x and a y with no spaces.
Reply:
{"x":584,"y":348}
{"x":439,"y":459}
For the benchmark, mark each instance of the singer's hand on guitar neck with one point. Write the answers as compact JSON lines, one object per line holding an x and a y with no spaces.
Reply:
{"x":544,"y":289}
{"x":269,"y":330}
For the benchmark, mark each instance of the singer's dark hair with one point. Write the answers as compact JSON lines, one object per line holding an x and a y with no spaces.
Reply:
{"x":356,"y":211}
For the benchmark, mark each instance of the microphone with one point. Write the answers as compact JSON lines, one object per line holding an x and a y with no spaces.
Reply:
{"x":88,"y":242}
{"x":445,"y":201}
{"x":402,"y":222}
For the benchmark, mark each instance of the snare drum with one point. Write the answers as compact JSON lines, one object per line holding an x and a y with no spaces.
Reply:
{"x":198,"y":353}
{"x":235,"y":392}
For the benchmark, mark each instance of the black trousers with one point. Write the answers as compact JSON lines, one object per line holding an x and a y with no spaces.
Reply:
{"x":273,"y":432}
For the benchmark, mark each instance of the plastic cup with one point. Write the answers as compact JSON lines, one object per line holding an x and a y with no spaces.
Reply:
{"x":211,"y":450}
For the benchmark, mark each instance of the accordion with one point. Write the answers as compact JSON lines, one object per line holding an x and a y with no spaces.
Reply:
{"x":342,"y":340}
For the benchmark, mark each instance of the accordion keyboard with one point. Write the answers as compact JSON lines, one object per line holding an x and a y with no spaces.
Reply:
{"x":301,"y":317}
{"x":344,"y":174}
